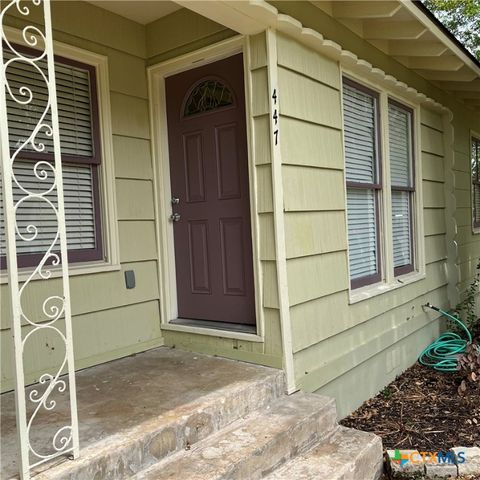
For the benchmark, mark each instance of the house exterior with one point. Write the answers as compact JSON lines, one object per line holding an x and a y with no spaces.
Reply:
{"x":281,"y":183}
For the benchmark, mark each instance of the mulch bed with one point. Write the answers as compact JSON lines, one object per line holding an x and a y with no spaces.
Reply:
{"x":421,"y":410}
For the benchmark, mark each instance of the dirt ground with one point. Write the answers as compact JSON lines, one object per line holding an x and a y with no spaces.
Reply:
{"x":421,"y":410}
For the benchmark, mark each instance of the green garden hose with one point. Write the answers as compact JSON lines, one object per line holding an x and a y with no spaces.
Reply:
{"x":443,"y":353}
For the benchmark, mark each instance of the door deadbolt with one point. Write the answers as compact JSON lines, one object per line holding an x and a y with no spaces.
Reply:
{"x":175,"y":200}
{"x":175,"y":217}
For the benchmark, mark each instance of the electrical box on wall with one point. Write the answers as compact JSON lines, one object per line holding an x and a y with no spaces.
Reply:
{"x":129,"y":279}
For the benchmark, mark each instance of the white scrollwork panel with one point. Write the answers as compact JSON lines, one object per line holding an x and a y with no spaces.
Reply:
{"x":50,"y":319}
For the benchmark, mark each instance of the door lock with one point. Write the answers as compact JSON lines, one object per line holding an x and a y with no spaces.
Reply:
{"x":175,"y":200}
{"x":175,"y":217}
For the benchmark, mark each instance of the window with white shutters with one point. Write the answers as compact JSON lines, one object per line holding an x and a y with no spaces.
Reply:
{"x":80,"y":152}
{"x":400,"y":143}
{"x":476,"y":181}
{"x":360,"y":107}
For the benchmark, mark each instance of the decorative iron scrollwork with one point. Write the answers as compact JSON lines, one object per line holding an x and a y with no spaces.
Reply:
{"x":53,"y":318}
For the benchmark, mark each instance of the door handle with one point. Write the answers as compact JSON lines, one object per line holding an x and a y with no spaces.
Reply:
{"x":175,"y":200}
{"x":175,"y":217}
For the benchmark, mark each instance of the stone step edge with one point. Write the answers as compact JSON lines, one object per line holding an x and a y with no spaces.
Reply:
{"x":325,"y":409}
{"x":341,"y":469}
{"x":126,"y":443}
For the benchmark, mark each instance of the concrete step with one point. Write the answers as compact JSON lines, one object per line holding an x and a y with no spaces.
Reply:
{"x":127,"y":452}
{"x":253,"y":447}
{"x":347,"y":455}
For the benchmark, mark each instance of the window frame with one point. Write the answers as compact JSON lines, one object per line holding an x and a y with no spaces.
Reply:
{"x":474,"y":137}
{"x":74,"y":255}
{"x":390,"y":280}
{"x":377,"y":187}
{"x":106,"y":169}
{"x":404,"y":269}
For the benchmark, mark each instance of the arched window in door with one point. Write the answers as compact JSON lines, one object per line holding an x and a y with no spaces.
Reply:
{"x":207,"y":95}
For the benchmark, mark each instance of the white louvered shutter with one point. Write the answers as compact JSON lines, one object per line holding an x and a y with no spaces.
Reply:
{"x":400,"y":148}
{"x":359,"y":113}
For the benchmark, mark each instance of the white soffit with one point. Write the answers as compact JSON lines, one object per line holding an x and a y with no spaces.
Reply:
{"x":140,"y":11}
{"x":402,"y":30}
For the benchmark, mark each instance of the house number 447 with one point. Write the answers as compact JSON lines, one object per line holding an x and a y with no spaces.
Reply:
{"x":275,"y":115}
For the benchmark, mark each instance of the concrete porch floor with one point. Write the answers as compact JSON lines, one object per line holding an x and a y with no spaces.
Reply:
{"x":119,"y":395}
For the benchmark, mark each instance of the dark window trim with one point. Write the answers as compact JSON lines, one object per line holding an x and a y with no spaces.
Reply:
{"x":410,"y":267}
{"x":74,"y":255}
{"x":475,"y":141}
{"x":377,"y":186}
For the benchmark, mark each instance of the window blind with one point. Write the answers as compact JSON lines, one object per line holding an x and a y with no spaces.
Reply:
{"x":79,"y":209}
{"x":360,"y":134}
{"x":400,"y":148}
{"x":402,"y":239}
{"x":362,"y":232}
{"x":74,"y":107}
{"x":476,"y":181}
{"x":476,"y":203}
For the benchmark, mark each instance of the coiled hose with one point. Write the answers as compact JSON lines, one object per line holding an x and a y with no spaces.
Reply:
{"x":443,"y":353}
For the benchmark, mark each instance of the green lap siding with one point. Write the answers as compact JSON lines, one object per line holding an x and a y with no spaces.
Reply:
{"x":335,"y":341}
{"x":109,"y":321}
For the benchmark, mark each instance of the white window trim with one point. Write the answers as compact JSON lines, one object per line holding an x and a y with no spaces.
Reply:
{"x":473,"y":134}
{"x":106,"y":167}
{"x":389,"y":282}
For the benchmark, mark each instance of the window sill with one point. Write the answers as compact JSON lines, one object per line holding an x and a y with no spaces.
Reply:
{"x":371,"y":291}
{"x":73,"y":270}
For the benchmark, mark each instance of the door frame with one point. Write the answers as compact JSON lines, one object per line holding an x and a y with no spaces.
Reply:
{"x":162,"y":187}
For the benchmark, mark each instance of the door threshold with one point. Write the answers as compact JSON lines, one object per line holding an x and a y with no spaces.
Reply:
{"x":212,"y":325}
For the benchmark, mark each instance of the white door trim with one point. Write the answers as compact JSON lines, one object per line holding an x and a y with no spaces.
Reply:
{"x":162,"y":190}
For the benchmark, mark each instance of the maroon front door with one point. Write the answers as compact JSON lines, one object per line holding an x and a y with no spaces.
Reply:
{"x":210,"y":198}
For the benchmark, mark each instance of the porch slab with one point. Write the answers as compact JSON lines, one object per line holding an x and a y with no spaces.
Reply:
{"x":133,"y":400}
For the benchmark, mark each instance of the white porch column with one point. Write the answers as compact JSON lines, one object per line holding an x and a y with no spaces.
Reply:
{"x":52,"y":318}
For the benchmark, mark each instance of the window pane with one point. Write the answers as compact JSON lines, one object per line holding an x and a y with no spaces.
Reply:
{"x":74,"y":107}
{"x":476,"y":204}
{"x":475,"y":157}
{"x":399,"y":124}
{"x":476,"y":187}
{"x":207,"y":96}
{"x":79,"y":210}
{"x":402,"y":226}
{"x":362,"y":233}
{"x":360,"y":135}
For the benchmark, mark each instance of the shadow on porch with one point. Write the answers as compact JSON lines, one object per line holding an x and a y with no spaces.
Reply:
{"x":136,"y":410}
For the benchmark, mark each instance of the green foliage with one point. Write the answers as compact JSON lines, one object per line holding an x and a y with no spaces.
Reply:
{"x":387,"y":393}
{"x":466,"y":310}
{"x":462,"y":18}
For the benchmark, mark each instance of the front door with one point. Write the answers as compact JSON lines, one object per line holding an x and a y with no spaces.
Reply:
{"x":210,"y":194}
